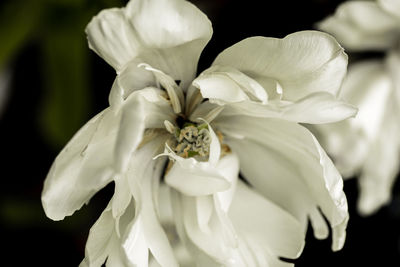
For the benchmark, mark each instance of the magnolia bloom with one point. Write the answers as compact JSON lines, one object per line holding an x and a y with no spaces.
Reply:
{"x":368,"y":145}
{"x":174,"y":144}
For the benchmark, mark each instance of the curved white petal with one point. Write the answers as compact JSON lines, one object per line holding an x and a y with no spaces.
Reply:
{"x":122,"y":196}
{"x":196,"y":240}
{"x":203,"y":222}
{"x":274,"y":231}
{"x":392,"y":63}
{"x":135,"y":245}
{"x":362,"y":25}
{"x":103,"y":243}
{"x":131,"y":79}
{"x":176,"y":31}
{"x":112,"y":37}
{"x":228,"y":89}
{"x":143,"y":173}
{"x":391,"y":6}
{"x":194,"y":178}
{"x":82,"y":168}
{"x":302,"y":62}
{"x":316,"y":108}
{"x":220,"y":88}
{"x":143,"y":109}
{"x":229,"y":85}
{"x":168,"y":34}
{"x":381,"y":166}
{"x":368,"y":87}
{"x":100,"y":235}
{"x":270,"y":154}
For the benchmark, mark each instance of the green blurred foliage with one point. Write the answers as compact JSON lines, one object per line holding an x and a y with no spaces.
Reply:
{"x":57,"y":27}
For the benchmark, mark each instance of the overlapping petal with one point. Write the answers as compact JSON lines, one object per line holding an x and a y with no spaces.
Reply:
{"x":381,"y":167}
{"x":262,"y":224}
{"x":368,"y":87}
{"x":103,"y":243}
{"x":82,"y":168}
{"x":227,"y":88}
{"x":144,"y":174}
{"x":170,"y":40}
{"x":261,"y":233}
{"x":390,"y":6}
{"x":146,"y":108}
{"x":363,"y":25}
{"x":302,"y":62}
{"x":269,"y":156}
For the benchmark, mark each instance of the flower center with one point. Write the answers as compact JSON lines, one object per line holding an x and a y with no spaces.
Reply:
{"x":192,"y":140}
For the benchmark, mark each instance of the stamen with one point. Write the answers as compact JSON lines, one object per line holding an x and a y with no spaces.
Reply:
{"x":193,"y":141}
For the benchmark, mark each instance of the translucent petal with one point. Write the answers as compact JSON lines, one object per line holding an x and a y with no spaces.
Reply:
{"x":143,"y":109}
{"x":171,"y":40}
{"x":302,"y":62}
{"x":82,"y":168}
{"x":270,"y":154}
{"x":362,"y":25}
{"x":269,"y":227}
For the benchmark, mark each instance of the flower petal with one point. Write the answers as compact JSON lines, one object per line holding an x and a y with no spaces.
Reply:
{"x":176,"y":35}
{"x":220,"y":88}
{"x":143,"y":109}
{"x":271,"y":149}
{"x":391,"y":6}
{"x":302,"y":62}
{"x":228,"y":89}
{"x":269,"y":227}
{"x":135,"y":245}
{"x":103,"y":242}
{"x":169,"y":35}
{"x":97,"y":245}
{"x":131,"y":79}
{"x":194,"y":178}
{"x":122,"y":196}
{"x":381,"y":166}
{"x":229,"y":169}
{"x":229,"y":85}
{"x":316,"y":108}
{"x":144,"y":173}
{"x":112,"y":37}
{"x":82,"y":168}
{"x":362,"y":25}
{"x":368,"y":87}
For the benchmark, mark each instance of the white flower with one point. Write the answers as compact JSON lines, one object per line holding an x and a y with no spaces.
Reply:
{"x":365,"y":25}
{"x":368,"y":145}
{"x":166,"y":128}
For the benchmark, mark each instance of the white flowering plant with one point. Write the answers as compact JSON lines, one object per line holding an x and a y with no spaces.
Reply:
{"x":209,"y":170}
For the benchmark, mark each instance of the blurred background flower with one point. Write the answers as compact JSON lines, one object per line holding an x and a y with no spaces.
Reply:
{"x":56,"y":84}
{"x":368,"y":146}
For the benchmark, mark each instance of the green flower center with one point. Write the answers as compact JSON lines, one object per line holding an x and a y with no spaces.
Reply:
{"x":192,"y":140}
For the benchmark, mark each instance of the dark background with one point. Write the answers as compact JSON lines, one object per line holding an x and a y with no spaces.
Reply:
{"x":58,"y":83}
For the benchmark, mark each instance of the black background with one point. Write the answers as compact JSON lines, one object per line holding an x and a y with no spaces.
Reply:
{"x":31,"y":239}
